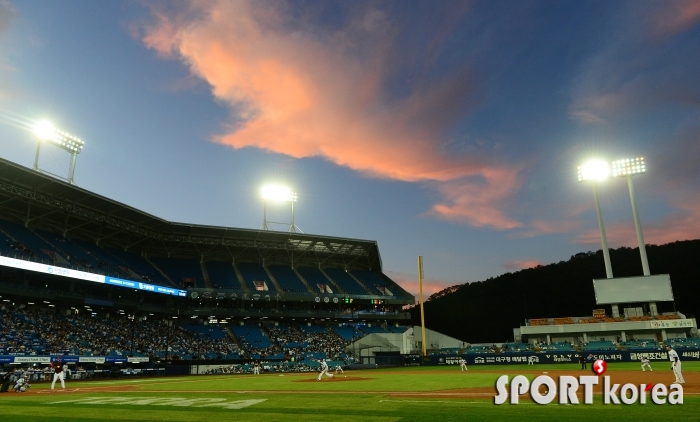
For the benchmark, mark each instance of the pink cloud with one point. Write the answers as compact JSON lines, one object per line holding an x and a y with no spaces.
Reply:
{"x":633,"y":70}
{"x":7,"y":14}
{"x":521,"y":264}
{"x":545,"y":227}
{"x":302,"y":93}
{"x":7,"y":70}
{"x":676,"y":17}
{"x":430,"y":286}
{"x":474,"y":201}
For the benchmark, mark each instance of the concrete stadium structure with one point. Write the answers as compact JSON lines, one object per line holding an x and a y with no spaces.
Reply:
{"x":224,"y":271}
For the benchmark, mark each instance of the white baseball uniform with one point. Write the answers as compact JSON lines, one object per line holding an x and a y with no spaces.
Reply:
{"x":339,"y":368}
{"x":324,"y":370}
{"x":463,"y":365}
{"x":646,"y":364}
{"x":18,"y":384}
{"x":673,"y":357}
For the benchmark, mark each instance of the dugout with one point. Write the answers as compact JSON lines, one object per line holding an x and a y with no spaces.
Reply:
{"x":391,"y":358}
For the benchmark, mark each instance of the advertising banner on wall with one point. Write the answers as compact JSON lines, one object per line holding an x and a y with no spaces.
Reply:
{"x":70,"y":359}
{"x":558,"y":357}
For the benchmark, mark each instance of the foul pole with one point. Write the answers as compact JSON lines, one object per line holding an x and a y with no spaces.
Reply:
{"x":422,"y":313}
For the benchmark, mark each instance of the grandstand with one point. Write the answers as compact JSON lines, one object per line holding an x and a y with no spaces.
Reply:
{"x":633,"y":332}
{"x":73,"y":258}
{"x":287,"y":279}
{"x":602,"y":333}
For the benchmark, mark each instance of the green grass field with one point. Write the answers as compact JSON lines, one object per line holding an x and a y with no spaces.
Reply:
{"x":398,"y":394}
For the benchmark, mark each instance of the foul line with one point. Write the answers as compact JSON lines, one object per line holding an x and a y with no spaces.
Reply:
{"x":439,"y":401}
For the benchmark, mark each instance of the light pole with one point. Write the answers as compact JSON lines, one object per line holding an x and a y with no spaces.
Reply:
{"x":597,"y":171}
{"x":277,"y":193}
{"x":627,"y":168}
{"x":133,"y":326}
{"x":45,"y":131}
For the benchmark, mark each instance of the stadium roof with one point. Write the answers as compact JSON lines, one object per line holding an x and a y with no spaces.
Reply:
{"x":37,"y":200}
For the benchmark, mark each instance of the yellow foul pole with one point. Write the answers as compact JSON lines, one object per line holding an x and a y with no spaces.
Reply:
{"x":422,"y":314}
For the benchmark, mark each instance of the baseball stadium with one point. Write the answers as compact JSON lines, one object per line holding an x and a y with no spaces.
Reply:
{"x":479,"y":143}
{"x":157,"y":320}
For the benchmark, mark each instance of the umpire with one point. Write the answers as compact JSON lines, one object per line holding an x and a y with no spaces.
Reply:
{"x":582,"y":359}
{"x":5,"y":382}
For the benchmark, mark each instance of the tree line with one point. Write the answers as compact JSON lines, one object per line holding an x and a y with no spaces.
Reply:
{"x":487,"y":311}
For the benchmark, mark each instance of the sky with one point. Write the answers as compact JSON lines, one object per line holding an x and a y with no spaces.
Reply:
{"x":451,"y":130}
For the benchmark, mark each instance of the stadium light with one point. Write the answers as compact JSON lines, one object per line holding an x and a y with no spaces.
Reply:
{"x":278,"y":193}
{"x":629,"y":167}
{"x":46,"y":132}
{"x":597,"y":171}
{"x":593,"y":170}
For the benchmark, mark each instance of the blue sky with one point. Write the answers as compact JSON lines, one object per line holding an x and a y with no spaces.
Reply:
{"x":449,"y":130}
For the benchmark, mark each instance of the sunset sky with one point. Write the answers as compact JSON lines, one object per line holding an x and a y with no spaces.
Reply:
{"x":450,"y":130}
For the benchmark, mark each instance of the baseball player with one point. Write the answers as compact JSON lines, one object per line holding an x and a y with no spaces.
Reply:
{"x":256,"y":367}
{"x":19,"y":385}
{"x":676,"y":365}
{"x":58,"y":368}
{"x":646,"y":364}
{"x":324,"y":370}
{"x":462,"y":365}
{"x":339,"y":368}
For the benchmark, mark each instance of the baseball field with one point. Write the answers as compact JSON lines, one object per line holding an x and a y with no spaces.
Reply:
{"x":395,"y":394}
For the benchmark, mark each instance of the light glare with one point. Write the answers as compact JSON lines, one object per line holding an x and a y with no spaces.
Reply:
{"x":596,"y":170}
{"x":44,"y":130}
{"x":277,"y":193}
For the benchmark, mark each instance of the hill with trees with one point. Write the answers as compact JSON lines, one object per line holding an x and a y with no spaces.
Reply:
{"x":487,"y":311}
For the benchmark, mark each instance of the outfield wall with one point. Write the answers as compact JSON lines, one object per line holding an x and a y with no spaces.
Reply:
{"x":558,"y":357}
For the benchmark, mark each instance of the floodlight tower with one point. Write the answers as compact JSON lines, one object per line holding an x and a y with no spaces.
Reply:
{"x":277,"y":193}
{"x":628,"y":167}
{"x":597,"y":171}
{"x":45,"y":131}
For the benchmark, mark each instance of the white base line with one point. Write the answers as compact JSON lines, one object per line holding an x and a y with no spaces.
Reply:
{"x":444,"y":401}
{"x":139,"y":381}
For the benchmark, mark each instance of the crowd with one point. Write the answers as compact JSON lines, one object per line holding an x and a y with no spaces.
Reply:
{"x":285,"y":366}
{"x":296,"y":342}
{"x":18,"y":247}
{"x":38,"y":332}
{"x":34,"y":331}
